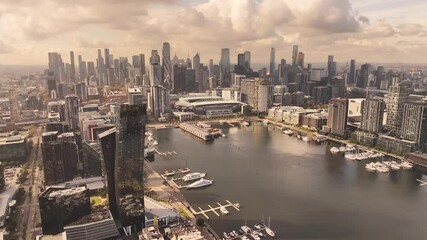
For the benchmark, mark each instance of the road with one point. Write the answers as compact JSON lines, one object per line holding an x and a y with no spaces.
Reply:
{"x":29,"y":213}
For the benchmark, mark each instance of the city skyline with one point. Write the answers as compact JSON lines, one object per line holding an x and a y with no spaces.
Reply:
{"x":346,"y":29}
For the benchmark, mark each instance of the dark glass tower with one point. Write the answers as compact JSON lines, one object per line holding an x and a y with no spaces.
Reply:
{"x":125,"y":169}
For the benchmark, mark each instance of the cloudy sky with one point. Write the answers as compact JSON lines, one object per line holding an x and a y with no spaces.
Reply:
{"x":367,"y":30}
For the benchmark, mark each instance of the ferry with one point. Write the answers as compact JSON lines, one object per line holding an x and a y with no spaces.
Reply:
{"x":193,"y":176}
{"x":224,"y":210}
{"x":200,"y":183}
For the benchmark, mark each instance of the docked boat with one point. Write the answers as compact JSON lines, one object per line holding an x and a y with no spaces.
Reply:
{"x":224,"y":210}
{"x":234,"y":234}
{"x":246,"y":229}
{"x":184,"y":170}
{"x":169,"y":173}
{"x":155,"y":143}
{"x":334,"y":150}
{"x":382,"y":169}
{"x":244,"y":238}
{"x":226,"y":236}
{"x":193,"y":176}
{"x":224,"y":136}
{"x":406,"y":165}
{"x":259,"y":226}
{"x":371,"y":167}
{"x":246,"y":124}
{"x":255,"y":236}
{"x":305,"y":139}
{"x":268,"y":230}
{"x":395,"y":167}
{"x":259,"y":233}
{"x":342,"y":149}
{"x":200,"y":183}
{"x":288,"y":132}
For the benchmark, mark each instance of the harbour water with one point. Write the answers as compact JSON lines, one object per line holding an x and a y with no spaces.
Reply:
{"x":307,"y":192}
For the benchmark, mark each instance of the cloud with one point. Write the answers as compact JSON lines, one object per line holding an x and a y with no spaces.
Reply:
{"x":6,"y":48}
{"x":332,"y":16}
{"x":410,"y":29}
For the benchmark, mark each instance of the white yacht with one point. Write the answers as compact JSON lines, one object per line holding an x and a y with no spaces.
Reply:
{"x":246,"y":229}
{"x":395,"y":167}
{"x":382,"y":169}
{"x":342,"y":149}
{"x":268,"y":229}
{"x":288,"y":132}
{"x":193,"y":176}
{"x":334,"y":150}
{"x":184,"y":170}
{"x":406,"y":165}
{"x":371,"y":167}
{"x":224,"y":210}
{"x":255,"y":236}
{"x":200,"y":183}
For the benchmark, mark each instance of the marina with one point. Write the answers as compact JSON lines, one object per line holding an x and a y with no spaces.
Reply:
{"x":296,"y":183}
{"x":216,"y":210}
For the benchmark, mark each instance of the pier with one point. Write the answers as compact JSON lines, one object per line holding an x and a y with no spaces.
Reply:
{"x":215,"y":210}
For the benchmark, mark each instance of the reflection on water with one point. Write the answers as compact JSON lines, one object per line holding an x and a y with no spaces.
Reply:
{"x":308,"y":192}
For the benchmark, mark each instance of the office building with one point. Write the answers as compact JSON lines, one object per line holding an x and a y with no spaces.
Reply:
{"x":352,"y":74}
{"x":257,"y":93}
{"x":247,"y":60}
{"x":159,"y":101}
{"x":55,"y":63}
{"x":337,"y":117}
{"x":272,"y":68}
{"x":100,"y":68}
{"x":71,"y":112}
{"x":51,"y":84}
{"x":142,"y":63}
{"x":60,"y":156}
{"x":300,"y":61}
{"x":363,"y":80}
{"x":80,"y":89}
{"x":61,"y":206}
{"x":123,"y":154}
{"x":332,"y":67}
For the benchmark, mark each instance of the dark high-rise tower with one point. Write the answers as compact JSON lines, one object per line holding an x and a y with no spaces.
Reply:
{"x":142,"y":63}
{"x":294,"y":55}
{"x":127,"y":170}
{"x":352,"y":74}
{"x":166,"y":65}
{"x":272,"y":68}
{"x":225,"y":67}
{"x":332,"y":67}
{"x":72,"y":111}
{"x":365,"y":70}
{"x":72,"y":67}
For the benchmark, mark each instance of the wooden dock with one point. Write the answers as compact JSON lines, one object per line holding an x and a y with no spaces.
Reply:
{"x":215,"y":210}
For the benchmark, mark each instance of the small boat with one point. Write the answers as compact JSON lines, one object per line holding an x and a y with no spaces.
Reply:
{"x":395,"y":167}
{"x":305,"y":139}
{"x":200,"y":183}
{"x":382,"y":169}
{"x":334,"y":150}
{"x":268,"y":229}
{"x":234,"y":234}
{"x":255,"y":236}
{"x":406,"y":165}
{"x":246,"y":124}
{"x":155,"y":143}
{"x":288,"y":132}
{"x":342,"y":149}
{"x":226,"y":236}
{"x":259,"y":233}
{"x":224,"y":210}
{"x":184,"y":170}
{"x":246,"y":229}
{"x":193,"y":176}
{"x":244,"y":238}
{"x":169,"y":173}
{"x":259,"y":226}
{"x":224,"y":136}
{"x":370,"y":167}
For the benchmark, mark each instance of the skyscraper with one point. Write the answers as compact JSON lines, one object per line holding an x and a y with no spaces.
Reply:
{"x":72,"y":112}
{"x":100,"y":67}
{"x":272,"y":68}
{"x":55,"y":63}
{"x":211,"y":67}
{"x":72,"y":67}
{"x":247,"y":60}
{"x":51,"y":84}
{"x":300,"y":61}
{"x":372,"y":115}
{"x":135,"y":61}
{"x":352,"y":74}
{"x":155,"y":69}
{"x":128,"y":166}
{"x":82,"y":68}
{"x":198,"y":71}
{"x":294,"y":55}
{"x":142,"y":65}
{"x":166,"y":65}
{"x":365,"y":71}
{"x":337,"y":116}
{"x":107,"y":58}
{"x":332,"y":67}
{"x":225,"y":67}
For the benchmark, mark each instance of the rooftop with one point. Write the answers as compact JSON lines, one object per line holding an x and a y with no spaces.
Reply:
{"x":55,"y":192}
